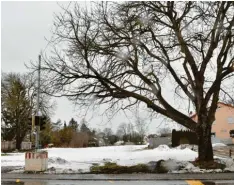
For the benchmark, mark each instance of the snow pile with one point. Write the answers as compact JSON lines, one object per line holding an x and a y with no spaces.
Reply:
{"x":172,"y":165}
{"x":163,"y":148}
{"x":57,"y":160}
{"x":183,"y":146}
{"x":229,"y":165}
{"x":118,"y":143}
{"x":218,"y":145}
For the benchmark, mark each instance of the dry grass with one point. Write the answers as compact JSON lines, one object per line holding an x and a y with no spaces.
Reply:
{"x":208,"y":165}
{"x":113,"y":168}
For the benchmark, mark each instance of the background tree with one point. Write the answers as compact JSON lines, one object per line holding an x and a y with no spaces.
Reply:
{"x":16,"y":108}
{"x":83,"y":127}
{"x":121,"y":130}
{"x":73,"y":124}
{"x":112,"y":139}
{"x":18,"y":104}
{"x":46,"y":134}
{"x":57,"y":125}
{"x":109,"y":136}
{"x":133,"y":53}
{"x":108,"y":132}
{"x":141,"y":127}
{"x":165,"y":131}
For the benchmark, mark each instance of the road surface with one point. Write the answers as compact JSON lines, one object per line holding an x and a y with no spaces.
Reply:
{"x":108,"y":182}
{"x":118,"y":177}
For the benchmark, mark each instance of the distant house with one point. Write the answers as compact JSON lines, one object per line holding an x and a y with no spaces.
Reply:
{"x":223,"y":124}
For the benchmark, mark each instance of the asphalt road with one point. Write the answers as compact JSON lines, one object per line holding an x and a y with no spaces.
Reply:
{"x":118,"y":177}
{"x":108,"y":182}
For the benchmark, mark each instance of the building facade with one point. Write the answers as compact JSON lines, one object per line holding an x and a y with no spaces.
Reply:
{"x":223,"y":124}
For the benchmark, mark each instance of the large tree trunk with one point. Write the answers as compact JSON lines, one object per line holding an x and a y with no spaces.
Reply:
{"x":205,"y":150}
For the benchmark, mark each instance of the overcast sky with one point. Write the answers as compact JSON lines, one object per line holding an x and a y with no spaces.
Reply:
{"x":24,"y":27}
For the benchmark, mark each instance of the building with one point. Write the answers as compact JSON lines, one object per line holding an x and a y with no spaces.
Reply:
{"x":223,"y":124}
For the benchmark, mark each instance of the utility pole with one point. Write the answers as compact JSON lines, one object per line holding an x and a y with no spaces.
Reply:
{"x":38,"y":160}
{"x":38,"y":103}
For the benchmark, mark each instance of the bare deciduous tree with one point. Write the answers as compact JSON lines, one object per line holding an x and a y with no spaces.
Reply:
{"x":133,"y":52}
{"x":141,"y":127}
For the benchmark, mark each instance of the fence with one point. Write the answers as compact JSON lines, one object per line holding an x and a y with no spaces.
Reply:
{"x":26,"y":145}
{"x":224,"y":151}
{"x":8,"y":145}
{"x":11,"y":145}
{"x":155,"y":142}
{"x":183,"y":137}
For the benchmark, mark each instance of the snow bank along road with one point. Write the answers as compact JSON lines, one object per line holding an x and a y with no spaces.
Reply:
{"x":81,"y":159}
{"x":78,"y":160}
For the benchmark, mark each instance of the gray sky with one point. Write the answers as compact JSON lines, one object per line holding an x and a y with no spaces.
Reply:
{"x":24,"y":27}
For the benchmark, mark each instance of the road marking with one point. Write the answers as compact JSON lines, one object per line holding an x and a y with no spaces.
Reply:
{"x":194,"y":182}
{"x":111,"y":181}
{"x":17,"y":180}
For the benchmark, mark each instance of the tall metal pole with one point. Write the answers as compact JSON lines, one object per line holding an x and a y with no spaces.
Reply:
{"x":38,"y":102}
{"x":38,"y":87}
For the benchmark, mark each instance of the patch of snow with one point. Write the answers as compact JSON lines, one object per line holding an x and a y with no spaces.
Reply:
{"x":229,"y":164}
{"x":17,"y":171}
{"x":162,"y":148}
{"x":218,"y":145}
{"x":183,"y":146}
{"x":171,"y":165}
{"x":57,"y":160}
{"x":81,"y":159}
{"x":118,"y":143}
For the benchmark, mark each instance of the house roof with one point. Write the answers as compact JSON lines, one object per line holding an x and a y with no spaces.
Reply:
{"x":225,"y":104}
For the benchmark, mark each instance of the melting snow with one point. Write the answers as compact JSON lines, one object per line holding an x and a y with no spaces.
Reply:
{"x":81,"y":159}
{"x":76,"y":160}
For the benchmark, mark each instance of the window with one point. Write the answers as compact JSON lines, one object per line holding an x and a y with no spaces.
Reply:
{"x":213,"y":134}
{"x":223,"y":130}
{"x":230,"y":120}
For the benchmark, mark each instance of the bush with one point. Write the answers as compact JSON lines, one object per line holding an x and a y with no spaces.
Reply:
{"x":113,"y":168}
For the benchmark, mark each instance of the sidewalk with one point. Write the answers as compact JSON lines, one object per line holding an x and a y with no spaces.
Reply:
{"x":119,"y":177}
